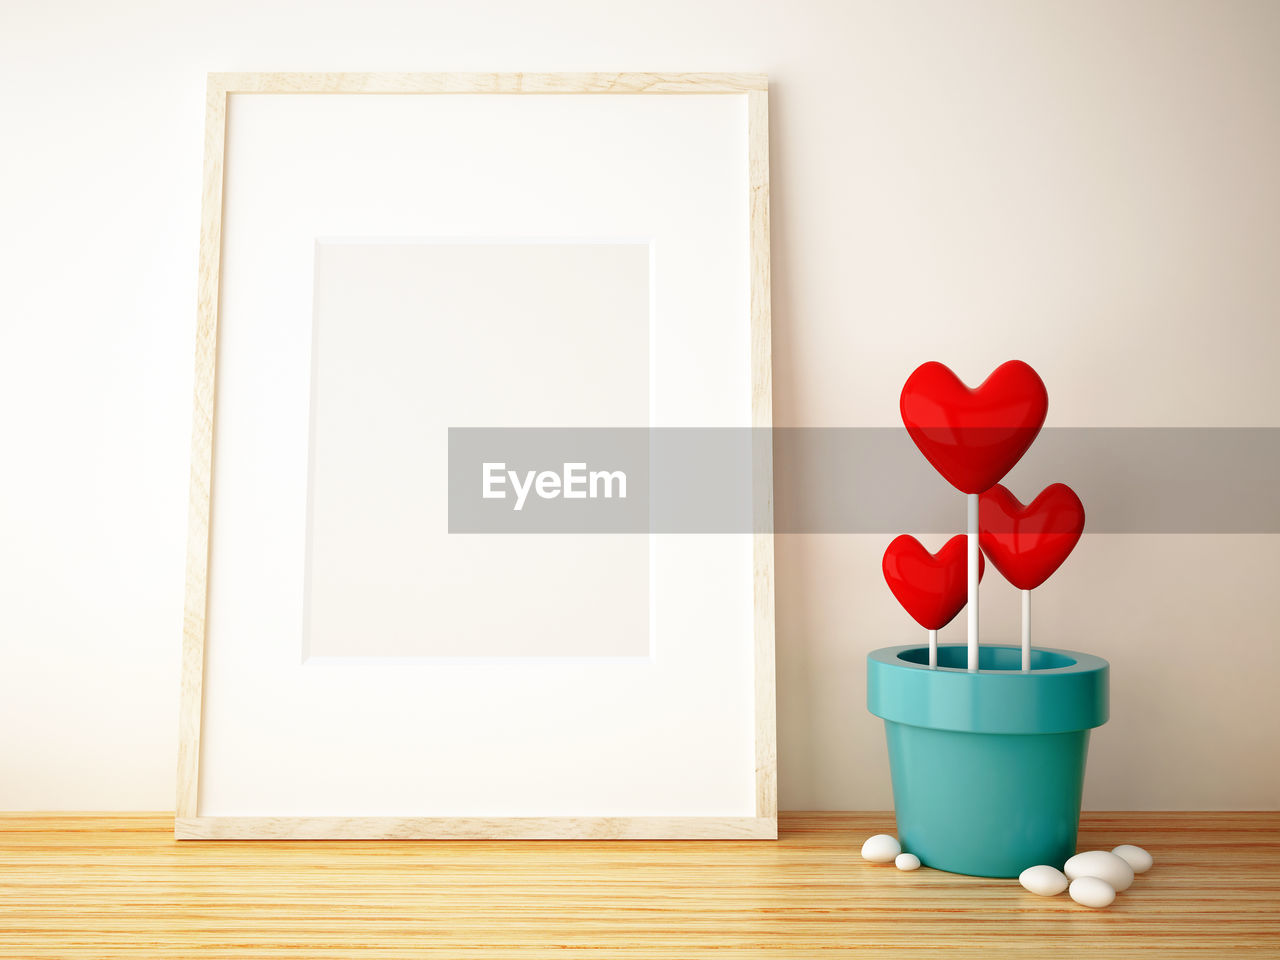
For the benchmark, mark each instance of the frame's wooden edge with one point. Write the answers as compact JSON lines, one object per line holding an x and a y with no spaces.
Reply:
{"x":196,"y":598}
{"x":762,"y":455}
{"x":476,"y":828}
{"x":487,"y":82}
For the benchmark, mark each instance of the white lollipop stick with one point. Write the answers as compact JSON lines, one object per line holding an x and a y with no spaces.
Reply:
{"x":973,"y":582}
{"x":1026,"y":631}
{"x":933,"y":649}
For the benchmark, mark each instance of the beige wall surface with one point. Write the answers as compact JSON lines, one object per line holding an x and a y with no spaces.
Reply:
{"x":1089,"y":186}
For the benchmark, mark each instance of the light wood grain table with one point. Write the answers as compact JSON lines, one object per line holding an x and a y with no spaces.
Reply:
{"x":112,"y":885}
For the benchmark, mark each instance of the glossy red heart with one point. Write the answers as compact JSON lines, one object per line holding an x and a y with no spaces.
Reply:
{"x":1027,"y":543}
{"x":973,"y":437}
{"x":933,"y":588}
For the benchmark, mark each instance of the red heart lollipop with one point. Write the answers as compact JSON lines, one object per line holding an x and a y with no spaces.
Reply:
{"x":974,"y":437}
{"x":1028,"y":543}
{"x":932,"y":588}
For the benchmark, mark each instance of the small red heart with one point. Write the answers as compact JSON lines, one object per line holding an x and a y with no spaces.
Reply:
{"x":1028,"y":543}
{"x":973,"y":437}
{"x":933,"y":588}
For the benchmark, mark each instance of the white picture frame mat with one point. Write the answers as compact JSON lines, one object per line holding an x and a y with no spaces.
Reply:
{"x":668,"y":736}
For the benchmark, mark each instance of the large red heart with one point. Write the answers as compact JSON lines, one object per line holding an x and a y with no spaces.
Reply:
{"x":933,"y":588}
{"x":973,"y":437}
{"x":1027,"y":543}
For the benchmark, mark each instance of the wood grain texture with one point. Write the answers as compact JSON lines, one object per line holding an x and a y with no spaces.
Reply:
{"x":197,"y":578}
{"x":762,"y":451}
{"x":475,"y":828}
{"x":188,"y":823}
{"x":411,"y":83}
{"x":110,"y":885}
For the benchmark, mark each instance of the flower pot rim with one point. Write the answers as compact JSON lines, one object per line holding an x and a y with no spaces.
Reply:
{"x":1082,"y":662}
{"x":1060,"y":699}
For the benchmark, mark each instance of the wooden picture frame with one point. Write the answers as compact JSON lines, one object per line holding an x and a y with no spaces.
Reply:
{"x":190,"y":823}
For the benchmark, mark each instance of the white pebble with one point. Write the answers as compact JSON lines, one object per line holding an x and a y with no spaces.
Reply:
{"x":1103,"y":865}
{"x":907,"y":861}
{"x":1135,"y":857}
{"x":1045,"y":880}
{"x":1092,"y":892}
{"x":881,"y":848}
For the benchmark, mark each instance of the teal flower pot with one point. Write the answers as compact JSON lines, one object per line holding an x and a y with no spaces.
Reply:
{"x":987,"y":767}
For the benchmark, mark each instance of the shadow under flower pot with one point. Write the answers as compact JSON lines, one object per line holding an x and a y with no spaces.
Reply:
{"x":987,"y":767}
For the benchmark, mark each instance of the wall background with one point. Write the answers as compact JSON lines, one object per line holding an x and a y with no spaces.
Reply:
{"x":1090,"y":186}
